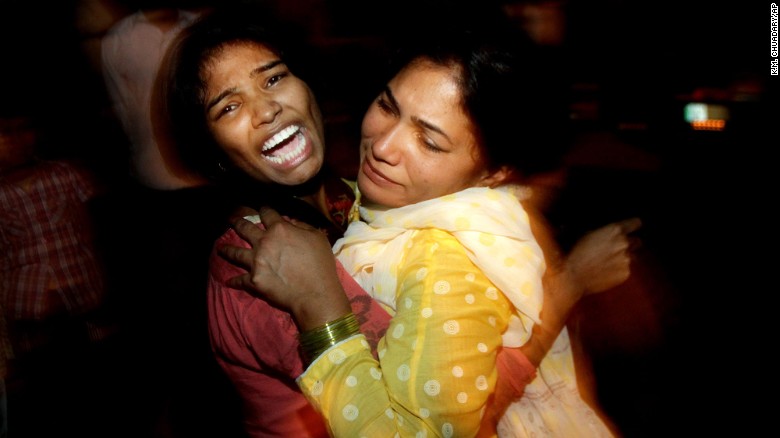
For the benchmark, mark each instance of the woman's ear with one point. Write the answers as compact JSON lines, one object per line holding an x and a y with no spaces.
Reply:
{"x":497,"y":177}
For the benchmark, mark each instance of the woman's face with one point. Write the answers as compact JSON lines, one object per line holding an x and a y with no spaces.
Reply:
{"x":265,"y":118}
{"x":416,"y":142}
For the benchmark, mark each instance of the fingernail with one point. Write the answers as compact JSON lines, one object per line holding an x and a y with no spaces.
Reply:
{"x":254,"y":218}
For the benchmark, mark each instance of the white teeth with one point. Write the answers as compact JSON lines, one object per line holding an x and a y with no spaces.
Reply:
{"x":282,"y":135}
{"x":289,"y":156}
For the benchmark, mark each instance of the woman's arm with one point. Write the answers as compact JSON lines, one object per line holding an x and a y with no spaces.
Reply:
{"x":437,"y":369}
{"x":294,"y":255}
{"x":560,"y":297}
{"x":599,"y":261}
{"x":256,"y":331}
{"x":290,"y":264}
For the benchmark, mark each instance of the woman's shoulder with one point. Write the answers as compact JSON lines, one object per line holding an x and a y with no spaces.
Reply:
{"x":433,"y":235}
{"x":219,"y":268}
{"x":435,"y":243}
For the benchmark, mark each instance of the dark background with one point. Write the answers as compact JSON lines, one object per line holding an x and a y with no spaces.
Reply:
{"x":680,"y":349}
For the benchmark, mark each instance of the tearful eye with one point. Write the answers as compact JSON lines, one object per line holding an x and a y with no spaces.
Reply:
{"x":385,"y":106}
{"x":273,"y":80}
{"x":431,"y":146}
{"x":227,"y":109}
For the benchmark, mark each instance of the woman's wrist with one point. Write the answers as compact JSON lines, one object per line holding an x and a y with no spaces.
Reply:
{"x":324,"y":301}
{"x":317,"y":340}
{"x":563,"y":287}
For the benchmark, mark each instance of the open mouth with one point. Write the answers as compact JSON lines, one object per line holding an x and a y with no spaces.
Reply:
{"x":286,"y":146}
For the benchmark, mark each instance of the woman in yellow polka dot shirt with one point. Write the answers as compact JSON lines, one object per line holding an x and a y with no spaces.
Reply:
{"x":440,"y":238}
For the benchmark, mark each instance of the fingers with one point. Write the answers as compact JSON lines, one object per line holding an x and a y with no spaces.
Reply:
{"x":269,"y":216}
{"x":634,"y":243}
{"x":238,"y":282}
{"x":620,"y":234}
{"x":301,"y":225}
{"x":242,"y":212}
{"x":602,"y":259}
{"x":248,"y":231}
{"x":630,"y":225}
{"x":627,"y":227}
{"x":236,"y":255}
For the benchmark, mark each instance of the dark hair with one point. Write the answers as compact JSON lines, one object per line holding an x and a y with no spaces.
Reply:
{"x":183,"y":86}
{"x":516,"y":102}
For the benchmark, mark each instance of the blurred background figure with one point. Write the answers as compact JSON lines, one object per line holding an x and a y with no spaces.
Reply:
{"x":699,"y":194}
{"x":153,"y":257}
{"x":543,"y":20}
{"x":6,"y":354}
{"x":131,"y":52}
{"x":52,"y":282}
{"x":50,"y":261}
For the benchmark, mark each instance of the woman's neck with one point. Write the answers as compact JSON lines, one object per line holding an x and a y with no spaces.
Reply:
{"x":315,"y":199}
{"x":310,"y":190}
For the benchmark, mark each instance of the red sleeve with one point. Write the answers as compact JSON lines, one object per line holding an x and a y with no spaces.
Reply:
{"x":255,"y":345}
{"x":245,"y":329}
{"x":515,"y":371}
{"x":372,"y":317}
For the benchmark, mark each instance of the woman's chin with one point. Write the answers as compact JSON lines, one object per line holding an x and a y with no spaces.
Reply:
{"x":300,"y":174}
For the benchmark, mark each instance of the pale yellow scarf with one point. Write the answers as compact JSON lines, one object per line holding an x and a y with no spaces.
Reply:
{"x":490,"y":223}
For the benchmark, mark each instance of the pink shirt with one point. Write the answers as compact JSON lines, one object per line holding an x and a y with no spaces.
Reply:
{"x":256,"y":345}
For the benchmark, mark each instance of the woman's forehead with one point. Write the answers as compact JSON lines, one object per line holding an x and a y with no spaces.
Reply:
{"x":244,"y":48}
{"x":226,"y":59}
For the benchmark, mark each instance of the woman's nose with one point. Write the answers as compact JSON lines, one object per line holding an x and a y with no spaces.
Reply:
{"x":265,"y":110}
{"x":388,"y":145}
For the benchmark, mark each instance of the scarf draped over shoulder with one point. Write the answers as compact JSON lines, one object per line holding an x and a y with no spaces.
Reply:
{"x":490,"y":223}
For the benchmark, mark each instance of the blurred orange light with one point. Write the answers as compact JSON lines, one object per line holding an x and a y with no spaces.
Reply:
{"x":708,"y":125}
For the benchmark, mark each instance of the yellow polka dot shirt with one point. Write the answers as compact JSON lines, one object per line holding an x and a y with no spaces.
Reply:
{"x":428,"y":264}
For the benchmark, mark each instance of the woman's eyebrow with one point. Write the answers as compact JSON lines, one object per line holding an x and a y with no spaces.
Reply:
{"x":389,"y":93}
{"x":432,"y":127}
{"x":424,"y":123}
{"x":252,"y":74}
{"x":265,"y":67}
{"x":210,"y":104}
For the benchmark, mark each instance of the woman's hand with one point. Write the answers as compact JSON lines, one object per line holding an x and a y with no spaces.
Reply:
{"x":290,"y":264}
{"x":601,"y":259}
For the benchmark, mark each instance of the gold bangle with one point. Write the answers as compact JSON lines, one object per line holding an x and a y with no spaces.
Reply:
{"x":315,"y":341}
